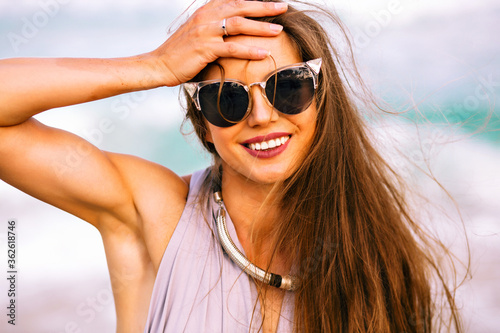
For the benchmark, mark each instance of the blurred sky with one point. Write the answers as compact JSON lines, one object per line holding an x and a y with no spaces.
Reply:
{"x":442,"y":54}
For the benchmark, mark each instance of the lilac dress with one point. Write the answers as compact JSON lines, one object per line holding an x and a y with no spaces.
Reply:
{"x":198,"y":288}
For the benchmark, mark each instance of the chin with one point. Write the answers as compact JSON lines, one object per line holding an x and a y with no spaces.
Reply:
{"x":261,"y":174}
{"x":269,"y":177}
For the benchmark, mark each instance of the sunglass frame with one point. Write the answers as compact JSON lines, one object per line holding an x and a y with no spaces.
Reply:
{"x":193,"y":88}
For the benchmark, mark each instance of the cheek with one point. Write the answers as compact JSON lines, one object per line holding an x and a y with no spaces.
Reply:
{"x":220,"y":137}
{"x":210,"y":132}
{"x":308,"y":122}
{"x":208,"y":135}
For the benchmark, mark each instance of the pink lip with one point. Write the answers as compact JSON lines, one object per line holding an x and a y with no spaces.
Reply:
{"x":267,"y":153}
{"x":265,"y":138}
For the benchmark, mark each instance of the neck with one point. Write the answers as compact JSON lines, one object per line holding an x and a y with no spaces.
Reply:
{"x":254,"y":213}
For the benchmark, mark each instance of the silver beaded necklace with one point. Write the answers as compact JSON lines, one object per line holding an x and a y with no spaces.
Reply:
{"x":288,"y":282}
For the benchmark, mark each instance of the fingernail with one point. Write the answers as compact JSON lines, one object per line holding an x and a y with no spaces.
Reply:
{"x":281,"y":5}
{"x":275,"y":27}
{"x":263,"y":53}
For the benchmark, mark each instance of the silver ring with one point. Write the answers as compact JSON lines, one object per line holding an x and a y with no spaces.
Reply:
{"x":224,"y":27}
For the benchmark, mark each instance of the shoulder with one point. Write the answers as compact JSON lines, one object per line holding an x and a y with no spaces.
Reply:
{"x":144,"y":178}
{"x":159,"y":197}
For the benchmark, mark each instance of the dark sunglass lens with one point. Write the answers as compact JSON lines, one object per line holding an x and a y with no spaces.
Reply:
{"x":233,"y":103}
{"x":294,"y":90}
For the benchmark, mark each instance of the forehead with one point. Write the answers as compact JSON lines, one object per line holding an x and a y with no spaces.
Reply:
{"x":283,"y":51}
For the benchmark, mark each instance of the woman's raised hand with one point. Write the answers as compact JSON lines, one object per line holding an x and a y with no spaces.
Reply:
{"x":30,"y":86}
{"x":200,"y":40}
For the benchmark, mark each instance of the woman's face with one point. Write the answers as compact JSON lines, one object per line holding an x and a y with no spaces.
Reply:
{"x":238,"y":145}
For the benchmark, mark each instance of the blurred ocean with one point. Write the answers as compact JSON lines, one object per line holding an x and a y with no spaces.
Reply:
{"x":442,"y":57}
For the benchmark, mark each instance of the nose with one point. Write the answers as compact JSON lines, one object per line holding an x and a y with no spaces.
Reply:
{"x":262,"y":113}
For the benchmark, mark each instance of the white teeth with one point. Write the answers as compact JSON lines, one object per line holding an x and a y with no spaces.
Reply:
{"x":269,"y":144}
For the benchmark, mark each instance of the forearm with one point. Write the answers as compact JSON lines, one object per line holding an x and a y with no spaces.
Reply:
{"x":31,"y":85}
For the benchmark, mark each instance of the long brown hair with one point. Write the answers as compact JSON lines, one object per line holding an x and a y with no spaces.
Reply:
{"x":364,"y":263}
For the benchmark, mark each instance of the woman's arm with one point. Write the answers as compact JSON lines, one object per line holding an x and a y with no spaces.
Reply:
{"x":30,"y":86}
{"x":53,"y":165}
{"x":70,"y":173}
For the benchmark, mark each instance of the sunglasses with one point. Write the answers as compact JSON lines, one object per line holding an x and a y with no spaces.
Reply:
{"x":289,"y":89}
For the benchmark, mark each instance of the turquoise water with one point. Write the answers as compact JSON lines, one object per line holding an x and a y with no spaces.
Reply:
{"x":483,"y":124}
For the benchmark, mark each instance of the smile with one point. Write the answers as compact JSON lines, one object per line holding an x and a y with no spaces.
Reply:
{"x":269,"y":144}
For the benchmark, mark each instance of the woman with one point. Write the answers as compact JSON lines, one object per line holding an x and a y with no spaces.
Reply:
{"x":295,"y":185}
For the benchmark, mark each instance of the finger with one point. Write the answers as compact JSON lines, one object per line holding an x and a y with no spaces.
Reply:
{"x":251,"y":8}
{"x":239,"y":25}
{"x":234,"y":11}
{"x":229,"y":8}
{"x":237,"y":50}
